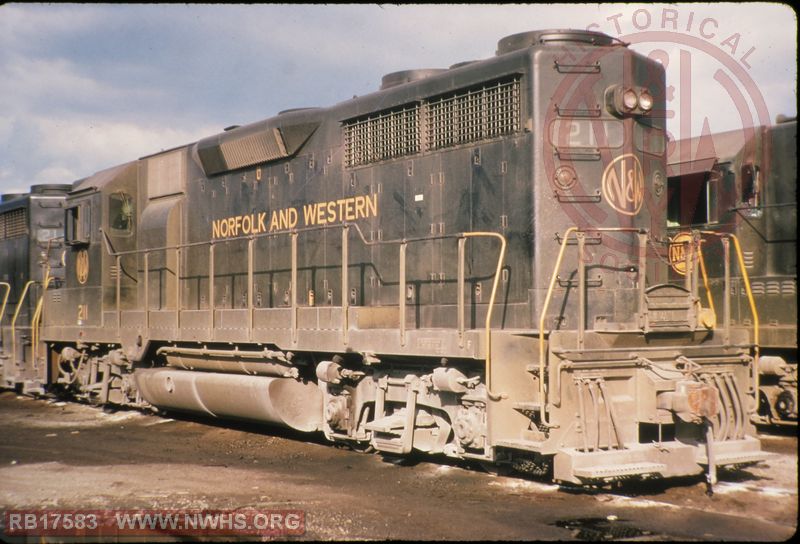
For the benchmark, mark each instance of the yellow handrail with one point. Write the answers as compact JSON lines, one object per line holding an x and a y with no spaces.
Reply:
{"x":705,"y":280}
{"x":751,"y":300}
{"x":37,"y":315}
{"x":489,"y":310}
{"x":553,"y":277}
{"x":14,"y":319}
{"x":564,"y":239}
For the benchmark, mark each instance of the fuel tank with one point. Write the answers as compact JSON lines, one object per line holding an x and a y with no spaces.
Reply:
{"x":282,"y":401}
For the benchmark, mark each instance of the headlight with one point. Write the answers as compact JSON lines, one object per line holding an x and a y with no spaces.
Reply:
{"x":629,"y":99}
{"x":646,"y":101}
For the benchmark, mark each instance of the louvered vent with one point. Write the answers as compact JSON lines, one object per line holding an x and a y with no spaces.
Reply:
{"x":381,"y":136}
{"x":13,"y":223}
{"x":773,"y":288}
{"x":468,"y":115}
{"x":251,"y":145}
{"x":253,"y":149}
{"x":480,"y":113}
{"x":789,"y":287}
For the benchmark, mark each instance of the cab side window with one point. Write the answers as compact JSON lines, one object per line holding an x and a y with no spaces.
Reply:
{"x":120,"y":213}
{"x":79,"y":224}
{"x":751,"y":194}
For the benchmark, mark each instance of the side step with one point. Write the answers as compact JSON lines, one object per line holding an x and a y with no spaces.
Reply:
{"x":735,"y":458}
{"x":615,"y":471}
{"x":520,"y":444}
{"x":734,"y":452}
{"x":388,"y":433}
{"x":393,"y":424}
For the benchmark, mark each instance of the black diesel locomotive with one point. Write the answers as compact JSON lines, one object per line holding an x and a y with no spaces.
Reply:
{"x":31,"y":235}
{"x":469,"y":262}
{"x":744,"y":183}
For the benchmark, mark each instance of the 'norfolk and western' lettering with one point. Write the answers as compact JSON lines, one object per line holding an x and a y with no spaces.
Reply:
{"x":315,"y":214}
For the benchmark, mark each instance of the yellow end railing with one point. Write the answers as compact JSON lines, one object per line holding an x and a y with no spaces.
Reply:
{"x":750,"y":299}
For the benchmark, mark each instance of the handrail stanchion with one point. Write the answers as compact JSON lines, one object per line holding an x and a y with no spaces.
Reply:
{"x":345,"y":284}
{"x":178,"y":302}
{"x":5,"y":300}
{"x":146,"y":289}
{"x":542,"y":401}
{"x":490,"y":309}
{"x":642,"y":276}
{"x":709,"y":298}
{"x":37,"y":315}
{"x":401,"y":292}
{"x":211,"y":295}
{"x":293,"y":287}
{"x":581,"y":288}
{"x":14,"y":319}
{"x":250,"y":263}
{"x":726,"y":300}
{"x":461,"y":254}
{"x":118,"y":261}
{"x":756,"y":324}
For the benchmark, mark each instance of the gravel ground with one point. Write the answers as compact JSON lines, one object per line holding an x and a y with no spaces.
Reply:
{"x":67,"y":455}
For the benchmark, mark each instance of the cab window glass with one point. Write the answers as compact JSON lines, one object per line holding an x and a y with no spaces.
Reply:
{"x":120,"y":213}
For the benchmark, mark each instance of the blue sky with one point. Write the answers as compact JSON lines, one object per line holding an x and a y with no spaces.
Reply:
{"x":88,"y":86}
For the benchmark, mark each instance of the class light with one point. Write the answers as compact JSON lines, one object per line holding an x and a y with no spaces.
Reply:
{"x":645,"y":100}
{"x":629,"y":99}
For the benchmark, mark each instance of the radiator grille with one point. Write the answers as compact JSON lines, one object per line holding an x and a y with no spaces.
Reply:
{"x":382,"y":136}
{"x":476,"y":114}
{"x":13,"y":223}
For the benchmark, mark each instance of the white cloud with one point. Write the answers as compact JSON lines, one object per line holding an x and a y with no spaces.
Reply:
{"x":87,"y":146}
{"x":56,"y":84}
{"x":56,"y":174}
{"x":6,"y":129}
{"x":25,"y":25}
{"x":85,"y":87}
